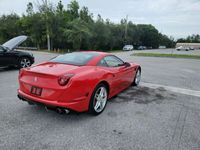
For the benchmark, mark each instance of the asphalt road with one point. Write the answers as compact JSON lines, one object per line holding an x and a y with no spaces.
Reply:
{"x":140,"y":118}
{"x":170,"y":51}
{"x":183,"y":73}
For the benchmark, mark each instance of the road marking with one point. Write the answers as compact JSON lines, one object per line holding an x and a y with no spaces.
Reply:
{"x":172,"y":89}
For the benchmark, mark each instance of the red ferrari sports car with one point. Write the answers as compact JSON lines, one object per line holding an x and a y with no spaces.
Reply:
{"x":78,"y":81}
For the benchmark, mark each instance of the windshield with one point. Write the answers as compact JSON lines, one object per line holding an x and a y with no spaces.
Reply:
{"x":127,"y":46}
{"x":76,"y":58}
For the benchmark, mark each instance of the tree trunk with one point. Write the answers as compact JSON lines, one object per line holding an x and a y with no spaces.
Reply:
{"x":38,"y":46}
{"x":48,"y":42}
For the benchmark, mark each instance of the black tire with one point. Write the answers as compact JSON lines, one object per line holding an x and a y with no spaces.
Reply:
{"x":135,"y":81}
{"x":93,"y":101}
{"x":24,"y":62}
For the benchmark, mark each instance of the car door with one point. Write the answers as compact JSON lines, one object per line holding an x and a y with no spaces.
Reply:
{"x":3,"y":57}
{"x":120,"y":72}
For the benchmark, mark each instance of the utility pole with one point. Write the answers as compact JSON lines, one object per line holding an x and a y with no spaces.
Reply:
{"x":126,"y":29}
{"x":47,"y":26}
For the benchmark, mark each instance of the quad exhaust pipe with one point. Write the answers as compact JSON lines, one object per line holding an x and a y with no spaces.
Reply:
{"x":62,"y":111}
{"x":57,"y":109}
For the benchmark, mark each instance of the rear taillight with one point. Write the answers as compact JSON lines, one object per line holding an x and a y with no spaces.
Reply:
{"x":63,"y":80}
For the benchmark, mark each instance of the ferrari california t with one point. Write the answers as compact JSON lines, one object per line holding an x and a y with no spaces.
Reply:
{"x":11,"y":57}
{"x":78,"y":81}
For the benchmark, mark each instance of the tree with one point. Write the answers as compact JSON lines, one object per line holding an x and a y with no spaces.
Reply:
{"x":85,"y":15}
{"x":77,"y":30}
{"x":29,"y":9}
{"x":101,"y":35}
{"x":190,"y":39}
{"x":55,"y":27}
{"x":73,"y":9}
{"x":60,"y":7}
{"x":47,"y":10}
{"x":9,"y":27}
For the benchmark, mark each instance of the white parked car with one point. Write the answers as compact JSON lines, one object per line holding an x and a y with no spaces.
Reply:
{"x":191,"y":48}
{"x":182,"y":48}
{"x":128,"y":48}
{"x":142,"y":47}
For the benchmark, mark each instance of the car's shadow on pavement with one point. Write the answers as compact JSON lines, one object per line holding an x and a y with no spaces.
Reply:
{"x":8,"y":69}
{"x":143,"y":95}
{"x":140,"y":95}
{"x":39,"y":113}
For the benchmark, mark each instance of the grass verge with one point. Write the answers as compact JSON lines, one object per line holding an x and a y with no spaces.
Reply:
{"x":167,"y":55}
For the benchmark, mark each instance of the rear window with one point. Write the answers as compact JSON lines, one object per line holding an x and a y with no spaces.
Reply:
{"x":128,"y":46}
{"x":76,"y":58}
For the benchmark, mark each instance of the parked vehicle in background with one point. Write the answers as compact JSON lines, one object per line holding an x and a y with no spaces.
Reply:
{"x":182,"y":48}
{"x":191,"y":48}
{"x":11,"y":57}
{"x":162,"y":47}
{"x":142,"y":47}
{"x":128,"y":48}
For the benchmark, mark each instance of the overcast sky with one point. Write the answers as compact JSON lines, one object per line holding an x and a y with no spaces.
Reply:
{"x":177,"y":18}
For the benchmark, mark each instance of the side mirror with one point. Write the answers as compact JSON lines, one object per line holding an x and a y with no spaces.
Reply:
{"x":126,"y":64}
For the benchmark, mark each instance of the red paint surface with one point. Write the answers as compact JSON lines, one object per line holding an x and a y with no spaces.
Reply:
{"x":77,"y":93}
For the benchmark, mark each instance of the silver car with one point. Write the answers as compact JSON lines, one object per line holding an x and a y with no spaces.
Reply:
{"x":128,"y":48}
{"x":182,"y":48}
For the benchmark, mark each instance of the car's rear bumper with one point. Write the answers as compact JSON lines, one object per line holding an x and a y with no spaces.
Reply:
{"x":78,"y":105}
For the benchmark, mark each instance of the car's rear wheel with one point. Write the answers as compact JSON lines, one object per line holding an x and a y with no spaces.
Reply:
{"x":98,"y":100}
{"x":24,"y":62}
{"x":137,"y":78}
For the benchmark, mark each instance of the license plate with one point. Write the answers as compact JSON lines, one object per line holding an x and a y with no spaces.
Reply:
{"x":36,"y":91}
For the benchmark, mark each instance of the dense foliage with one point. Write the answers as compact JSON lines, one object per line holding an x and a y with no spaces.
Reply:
{"x":75,"y":28}
{"x":190,"y":39}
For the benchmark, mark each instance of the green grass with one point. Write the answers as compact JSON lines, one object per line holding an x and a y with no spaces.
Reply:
{"x":167,"y":55}
{"x":114,"y":51}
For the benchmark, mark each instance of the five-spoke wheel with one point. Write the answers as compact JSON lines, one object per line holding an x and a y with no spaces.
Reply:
{"x":137,"y":78}
{"x":24,"y":62}
{"x":99,"y":99}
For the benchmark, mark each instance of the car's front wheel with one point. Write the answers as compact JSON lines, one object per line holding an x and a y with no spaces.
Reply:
{"x":98,"y":100}
{"x":24,"y":62}
{"x":137,"y":78}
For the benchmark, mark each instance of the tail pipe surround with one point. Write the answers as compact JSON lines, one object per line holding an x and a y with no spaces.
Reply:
{"x":59,"y":110}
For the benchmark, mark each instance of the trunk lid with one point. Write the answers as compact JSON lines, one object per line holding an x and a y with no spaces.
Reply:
{"x":13,"y":43}
{"x":54,"y":69}
{"x":46,"y":75}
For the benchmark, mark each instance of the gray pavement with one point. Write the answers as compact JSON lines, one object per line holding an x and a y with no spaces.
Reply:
{"x":140,"y":118}
{"x":183,"y":73}
{"x":170,"y":51}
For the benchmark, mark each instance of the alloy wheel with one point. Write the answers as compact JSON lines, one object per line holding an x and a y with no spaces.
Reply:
{"x":100,"y":99}
{"x":138,"y":77}
{"x":25,"y":62}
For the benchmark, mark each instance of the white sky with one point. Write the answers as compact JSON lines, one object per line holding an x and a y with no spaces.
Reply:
{"x":177,"y":18}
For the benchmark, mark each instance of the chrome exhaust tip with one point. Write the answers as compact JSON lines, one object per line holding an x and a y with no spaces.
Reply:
{"x":46,"y":108}
{"x":66,"y":111}
{"x":62,"y":111}
{"x":59,"y":110}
